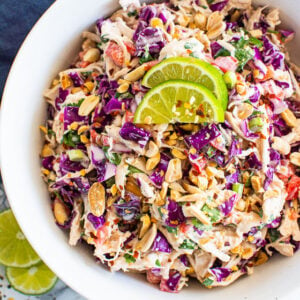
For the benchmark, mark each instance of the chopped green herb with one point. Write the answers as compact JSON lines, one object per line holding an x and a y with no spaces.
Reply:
{"x":207,"y":282}
{"x":132,"y":13}
{"x":243,"y":56}
{"x":75,"y":104}
{"x":104,"y":38}
{"x":204,"y":6}
{"x":222,"y":52}
{"x":157,"y":262}
{"x":211,"y":151}
{"x":114,"y":158}
{"x":213,"y":213}
{"x":199,"y":225}
{"x":123,"y":95}
{"x":110,"y":182}
{"x":129,"y":258}
{"x":70,"y":138}
{"x":256,"y":42}
{"x":51,"y":132}
{"x":273,"y":31}
{"x":274,"y":234}
{"x":132,"y":170}
{"x":86,"y":74}
{"x":187,"y":244}
{"x":172,"y":229}
{"x":210,"y":1}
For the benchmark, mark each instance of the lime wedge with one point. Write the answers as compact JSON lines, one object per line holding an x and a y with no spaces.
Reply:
{"x":179,"y":101}
{"x":190,"y":69}
{"x":34,"y":280}
{"x":15,"y":251}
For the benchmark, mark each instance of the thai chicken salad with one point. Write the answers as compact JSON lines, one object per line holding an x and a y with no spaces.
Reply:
{"x":172,"y":141}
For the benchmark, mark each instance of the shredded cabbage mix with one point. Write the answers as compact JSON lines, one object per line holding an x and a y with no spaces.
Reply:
{"x":174,"y":201}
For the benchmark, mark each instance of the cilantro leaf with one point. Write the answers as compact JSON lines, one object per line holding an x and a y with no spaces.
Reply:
{"x":274,"y":234}
{"x":129,"y":258}
{"x":222,"y":52}
{"x":114,"y":158}
{"x":207,"y":282}
{"x":199,"y":225}
{"x":256,"y":42}
{"x":75,"y":104}
{"x":132,"y":13}
{"x":157,"y":262}
{"x":187,"y":244}
{"x":70,"y":138}
{"x":213,"y":213}
{"x":133,"y":170}
{"x":172,"y":229}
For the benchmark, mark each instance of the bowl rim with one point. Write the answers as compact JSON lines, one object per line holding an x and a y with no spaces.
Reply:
{"x":6,"y":175}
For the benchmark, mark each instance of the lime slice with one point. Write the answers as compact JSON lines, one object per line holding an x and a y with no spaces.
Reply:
{"x":34,"y":280}
{"x":15,"y":251}
{"x":179,"y":101}
{"x":190,"y":69}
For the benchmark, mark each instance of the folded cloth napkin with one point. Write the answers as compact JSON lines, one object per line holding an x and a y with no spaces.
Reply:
{"x":17,"y":18}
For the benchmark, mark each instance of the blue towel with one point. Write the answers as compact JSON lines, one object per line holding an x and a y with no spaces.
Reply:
{"x":16,"y":19}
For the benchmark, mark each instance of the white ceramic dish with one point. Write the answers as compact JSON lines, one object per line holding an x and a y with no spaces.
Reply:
{"x":48,"y":48}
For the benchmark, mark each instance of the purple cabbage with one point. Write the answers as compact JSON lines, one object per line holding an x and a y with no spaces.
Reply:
{"x":271,"y":55}
{"x":128,"y":210}
{"x":113,"y":105}
{"x":66,"y":165}
{"x":161,"y":244}
{"x":62,"y":95}
{"x":96,"y":221}
{"x":141,"y":26}
{"x":151,"y":38}
{"x":67,"y":191}
{"x":157,"y":177}
{"x":231,"y":25}
{"x":215,"y":48}
{"x":218,"y":6}
{"x":220,"y":273}
{"x":107,"y":88}
{"x":274,"y":158}
{"x":77,"y":80}
{"x":147,"y":13}
{"x":203,"y":137}
{"x":282,"y":84}
{"x":232,"y":178}
{"x":99,"y":23}
{"x":254,"y":162}
{"x":71,"y":114}
{"x":133,"y":133}
{"x":280,"y":127}
{"x":47,"y":162}
{"x":275,"y":223}
{"x":234,"y":148}
{"x":286,"y":33}
{"x":269,"y":177}
{"x":173,"y":281}
{"x":294,"y":106}
{"x":183,"y":258}
{"x":175,"y":214}
{"x":255,"y":96}
{"x":162,"y":16}
{"x":246,"y":131}
{"x":228,"y":205}
{"x":82,"y":184}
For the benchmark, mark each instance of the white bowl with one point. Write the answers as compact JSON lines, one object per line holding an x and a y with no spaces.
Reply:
{"x":49,"y":47}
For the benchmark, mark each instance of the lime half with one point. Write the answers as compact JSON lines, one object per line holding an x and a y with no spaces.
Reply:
{"x":190,"y":69}
{"x":34,"y":280}
{"x":15,"y":251}
{"x":179,"y":101}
